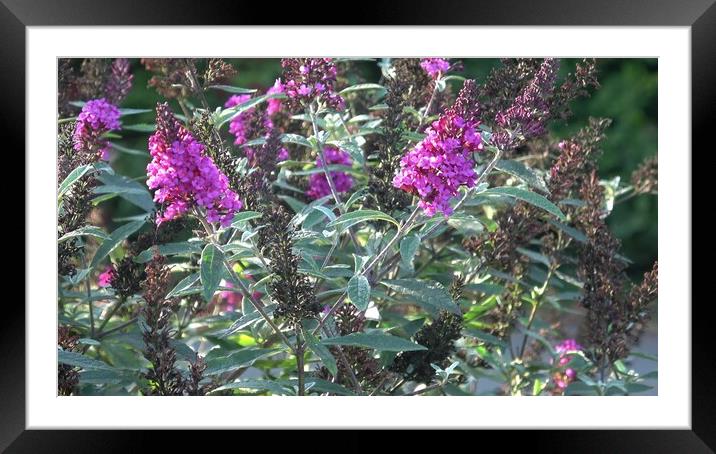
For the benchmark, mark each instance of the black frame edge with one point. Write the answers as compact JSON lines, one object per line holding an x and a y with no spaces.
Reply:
{"x":700,"y":14}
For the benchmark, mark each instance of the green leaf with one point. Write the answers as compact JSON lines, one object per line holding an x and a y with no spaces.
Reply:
{"x":140,"y":127}
{"x":212,"y":270}
{"x":430,"y":295}
{"x":522,"y":172}
{"x":126,"y":188}
{"x":226,"y":115}
{"x":359,"y":291}
{"x":322,"y":352}
{"x":71,"y":179}
{"x":246,"y":320}
{"x":168,"y":249}
{"x":184,"y":286}
{"x":295,"y":138}
{"x":359,"y":87}
{"x":236,"y":359}
{"x":78,"y":360}
{"x":347,"y":220}
{"x":377,"y":341}
{"x":408,"y":248}
{"x":526,"y":196}
{"x":244,"y":216}
{"x":88,"y":230}
{"x":127,"y":111}
{"x":129,"y":151}
{"x":119,"y":235}
{"x":230,"y":89}
{"x":267,"y":385}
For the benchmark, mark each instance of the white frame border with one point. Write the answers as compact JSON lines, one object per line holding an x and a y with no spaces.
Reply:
{"x":670,"y":409}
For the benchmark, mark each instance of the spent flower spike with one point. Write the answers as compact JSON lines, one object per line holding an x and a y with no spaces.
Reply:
{"x":442,"y":162}
{"x":184,"y":176}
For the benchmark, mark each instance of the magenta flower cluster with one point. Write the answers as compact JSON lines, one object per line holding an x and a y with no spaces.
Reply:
{"x":308,"y":79}
{"x":529,"y":112}
{"x":240,"y":124}
{"x":435,"y":66}
{"x":318,"y":184}
{"x":96,"y":118}
{"x":105,"y":278}
{"x":442,"y":162}
{"x":564,"y":377}
{"x":184,"y":176}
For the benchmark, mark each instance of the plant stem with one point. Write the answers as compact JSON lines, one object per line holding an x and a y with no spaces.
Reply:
{"x":402,"y":230}
{"x":112,"y":311}
{"x":299,"y":363}
{"x":117,"y":328}
{"x":89,"y":301}
{"x":329,"y":178}
{"x":242,"y":287}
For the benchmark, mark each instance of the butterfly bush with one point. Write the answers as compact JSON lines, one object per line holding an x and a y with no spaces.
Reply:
{"x":96,"y":118}
{"x":442,"y":162}
{"x":435,"y":66}
{"x":429,"y":235}
{"x":565,"y":376}
{"x":318,"y":185}
{"x":309,"y":79}
{"x":183,"y":175}
{"x":241,"y":126}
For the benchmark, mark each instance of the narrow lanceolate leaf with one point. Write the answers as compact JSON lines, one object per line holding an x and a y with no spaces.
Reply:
{"x":230,"y":89}
{"x":212,"y":270}
{"x":88,"y":230}
{"x":79,"y":360}
{"x":236,"y":359}
{"x":168,"y":249}
{"x":408,"y":248}
{"x":126,"y":188}
{"x":359,"y":291}
{"x":377,"y":341}
{"x":524,"y":173}
{"x":348,"y":220}
{"x":264,"y":385}
{"x":140,"y":127}
{"x":322,"y":352}
{"x":527,"y":196}
{"x":226,"y":115}
{"x":359,"y":87}
{"x":430,"y":295}
{"x":295,"y":138}
{"x":246,"y":320}
{"x":244,"y":216}
{"x":185,"y":286}
{"x":71,"y":179}
{"x":119,"y":235}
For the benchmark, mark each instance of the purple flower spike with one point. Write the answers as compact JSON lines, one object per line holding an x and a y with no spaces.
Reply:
{"x":442,"y":162}
{"x":184,"y":176}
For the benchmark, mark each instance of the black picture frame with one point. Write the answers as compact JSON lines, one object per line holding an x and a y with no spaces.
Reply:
{"x":700,"y":15}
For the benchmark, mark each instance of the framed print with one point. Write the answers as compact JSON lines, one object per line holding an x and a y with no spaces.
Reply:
{"x":402,"y":225}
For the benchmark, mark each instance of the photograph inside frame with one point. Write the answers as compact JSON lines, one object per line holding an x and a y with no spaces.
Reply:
{"x":370,"y":227}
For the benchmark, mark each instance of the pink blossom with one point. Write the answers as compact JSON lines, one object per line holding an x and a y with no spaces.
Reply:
{"x":105,"y":278}
{"x":435,"y":66}
{"x":442,"y":162}
{"x":318,"y":184}
{"x":184,"y":176}
{"x":96,"y":118}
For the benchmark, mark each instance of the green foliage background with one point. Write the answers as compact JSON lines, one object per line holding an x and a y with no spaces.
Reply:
{"x":628,"y":96}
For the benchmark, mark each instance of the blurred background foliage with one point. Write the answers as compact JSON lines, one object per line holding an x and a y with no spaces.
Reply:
{"x":628,"y":96}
